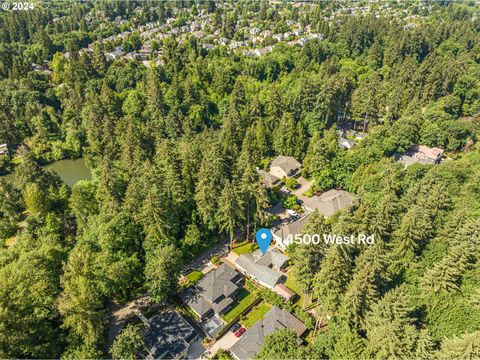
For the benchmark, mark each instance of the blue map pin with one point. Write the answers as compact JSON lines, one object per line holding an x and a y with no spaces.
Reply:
{"x":264,"y":238}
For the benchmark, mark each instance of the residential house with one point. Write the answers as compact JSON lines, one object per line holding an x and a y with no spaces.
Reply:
{"x":236,"y":44}
{"x":114,"y":55}
{"x":329,"y":202}
{"x":275,"y":319}
{"x":358,"y":135}
{"x":255,"y":31}
{"x":3,"y":149}
{"x":208,"y":46}
{"x":421,"y":154}
{"x":345,"y":143}
{"x":223,"y":41}
{"x":248,"y":53}
{"x":284,"y":234}
{"x":168,"y":336}
{"x":278,"y":37}
{"x":194,"y":26}
{"x":214,"y":293}
{"x":263,"y":51}
{"x":268,"y":179}
{"x":285,"y":166}
{"x":198,"y":34}
{"x":263,"y":269}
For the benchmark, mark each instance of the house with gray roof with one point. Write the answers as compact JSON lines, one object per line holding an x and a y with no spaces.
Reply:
{"x":284,"y":233}
{"x":345,"y":144}
{"x":263,"y":269}
{"x":268,"y":179}
{"x":272,"y":258}
{"x":168,"y":336}
{"x":275,"y":319}
{"x":329,"y":202}
{"x":285,"y":166}
{"x":214,"y":293}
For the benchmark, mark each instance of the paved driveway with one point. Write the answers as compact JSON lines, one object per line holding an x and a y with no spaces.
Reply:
{"x":304,"y":186}
{"x":225,"y":343}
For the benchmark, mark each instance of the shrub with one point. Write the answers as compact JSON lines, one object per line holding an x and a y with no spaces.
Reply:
{"x":291,"y":202}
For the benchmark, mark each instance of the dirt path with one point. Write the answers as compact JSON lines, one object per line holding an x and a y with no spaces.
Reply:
{"x":120,"y":314}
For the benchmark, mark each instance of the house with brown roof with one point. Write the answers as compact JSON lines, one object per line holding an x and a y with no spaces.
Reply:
{"x":284,"y":233}
{"x":285,"y":166}
{"x":268,"y":179}
{"x":421,"y":154}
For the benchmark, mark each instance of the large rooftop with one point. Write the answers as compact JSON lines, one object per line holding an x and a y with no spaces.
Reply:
{"x":275,"y":319}
{"x":329,"y":202}
{"x":168,"y":335}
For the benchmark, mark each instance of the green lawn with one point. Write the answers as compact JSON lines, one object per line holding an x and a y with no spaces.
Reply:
{"x":245,"y":247}
{"x":244,"y":300}
{"x":292,"y":284}
{"x":194,"y":276}
{"x":256,"y":314}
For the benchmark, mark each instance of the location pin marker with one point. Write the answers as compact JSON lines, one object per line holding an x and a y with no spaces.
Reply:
{"x":264,"y":238}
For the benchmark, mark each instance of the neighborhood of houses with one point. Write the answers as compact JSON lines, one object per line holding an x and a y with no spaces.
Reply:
{"x":252,"y":39}
{"x":221,"y":307}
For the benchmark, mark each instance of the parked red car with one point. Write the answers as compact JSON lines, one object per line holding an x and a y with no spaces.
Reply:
{"x":240,"y":332}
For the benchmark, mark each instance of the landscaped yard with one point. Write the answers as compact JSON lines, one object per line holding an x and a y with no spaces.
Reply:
{"x":194,"y":276}
{"x":244,"y":300}
{"x":245,"y":247}
{"x":256,"y":314}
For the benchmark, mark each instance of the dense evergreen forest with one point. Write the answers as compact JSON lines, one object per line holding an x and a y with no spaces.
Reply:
{"x":174,"y":149}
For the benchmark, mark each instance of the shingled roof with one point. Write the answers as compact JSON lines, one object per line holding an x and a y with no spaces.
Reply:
{"x":329,"y":202}
{"x":218,"y":283}
{"x":288,"y":164}
{"x":168,"y":335}
{"x":259,"y":272}
{"x":275,"y":319}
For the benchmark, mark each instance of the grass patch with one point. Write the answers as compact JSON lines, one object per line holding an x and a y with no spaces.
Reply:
{"x":292,"y":284}
{"x":256,"y":314}
{"x":194,"y":276}
{"x":245,"y":247}
{"x":244,"y":300}
{"x":250,"y":286}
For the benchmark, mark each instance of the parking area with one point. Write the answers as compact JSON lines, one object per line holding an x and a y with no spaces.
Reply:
{"x":303,"y":185}
{"x":225,"y":342}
